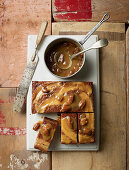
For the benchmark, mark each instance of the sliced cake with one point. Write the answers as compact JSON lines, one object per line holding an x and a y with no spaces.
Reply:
{"x":86,"y":128}
{"x":68,"y":128}
{"x":45,"y":135}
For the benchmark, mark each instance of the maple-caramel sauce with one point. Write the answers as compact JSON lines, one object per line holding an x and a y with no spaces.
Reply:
{"x":63,"y":51}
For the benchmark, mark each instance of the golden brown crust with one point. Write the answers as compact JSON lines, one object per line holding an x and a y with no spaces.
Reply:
{"x":68,"y":128}
{"x":86,"y":128}
{"x":43,"y":140}
{"x":40,"y":148}
{"x":52,"y":97}
{"x":74,"y":115}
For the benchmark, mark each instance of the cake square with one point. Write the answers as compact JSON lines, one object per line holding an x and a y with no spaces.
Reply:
{"x":86,"y":128}
{"x":45,"y":135}
{"x":52,"y":97}
{"x":68,"y":128}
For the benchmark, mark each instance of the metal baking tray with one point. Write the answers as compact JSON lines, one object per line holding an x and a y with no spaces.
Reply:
{"x":89,"y":72}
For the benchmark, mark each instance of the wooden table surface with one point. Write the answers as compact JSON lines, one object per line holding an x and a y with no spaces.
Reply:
{"x":90,"y":10}
{"x":13,"y":153}
{"x":18,"y":19}
{"x":112,"y":154}
{"x":127,"y":77}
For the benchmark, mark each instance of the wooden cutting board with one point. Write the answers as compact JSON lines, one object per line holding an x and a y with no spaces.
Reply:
{"x":112,"y":154}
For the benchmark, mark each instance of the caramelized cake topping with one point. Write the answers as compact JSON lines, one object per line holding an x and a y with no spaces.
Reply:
{"x":68,"y":128}
{"x":45,"y":134}
{"x":37,"y":125}
{"x":62,"y":97}
{"x":86,"y":128}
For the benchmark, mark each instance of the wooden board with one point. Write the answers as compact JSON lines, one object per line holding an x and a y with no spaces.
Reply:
{"x":13,"y":154}
{"x":90,"y":10}
{"x":127,"y":68}
{"x":18,"y":19}
{"x":112,"y":154}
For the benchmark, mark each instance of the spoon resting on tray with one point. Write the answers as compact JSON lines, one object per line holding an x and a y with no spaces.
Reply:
{"x":99,"y":44}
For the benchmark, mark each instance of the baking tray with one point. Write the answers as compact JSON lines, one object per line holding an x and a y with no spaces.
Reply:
{"x":90,"y":72}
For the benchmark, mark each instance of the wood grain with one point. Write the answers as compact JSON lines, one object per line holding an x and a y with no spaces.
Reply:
{"x":85,"y":27}
{"x":13,"y":153}
{"x":18,"y":19}
{"x":29,"y":72}
{"x":85,"y":10}
{"x":127,"y":68}
{"x":112,"y":154}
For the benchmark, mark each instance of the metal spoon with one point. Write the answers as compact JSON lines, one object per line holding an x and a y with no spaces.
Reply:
{"x":104,"y":18}
{"x":99,"y":44}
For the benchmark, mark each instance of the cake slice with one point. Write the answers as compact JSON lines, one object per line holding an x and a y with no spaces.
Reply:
{"x":53,"y":97}
{"x":45,"y":134}
{"x":68,"y":128}
{"x":86,"y":128}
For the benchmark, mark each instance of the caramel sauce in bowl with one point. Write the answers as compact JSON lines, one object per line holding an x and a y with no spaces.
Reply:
{"x":63,"y":48}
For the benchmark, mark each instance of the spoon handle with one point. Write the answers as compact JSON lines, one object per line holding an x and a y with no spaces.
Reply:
{"x":39,"y":38}
{"x":105,"y":18}
{"x":99,"y":44}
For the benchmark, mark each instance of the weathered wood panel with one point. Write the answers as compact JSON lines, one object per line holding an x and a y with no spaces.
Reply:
{"x":18,"y":19}
{"x":112,"y":154}
{"x":69,"y":10}
{"x":13,"y":153}
{"x":93,"y":10}
{"x":127,"y":68}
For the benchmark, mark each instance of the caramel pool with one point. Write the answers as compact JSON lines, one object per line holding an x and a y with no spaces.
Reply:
{"x":63,"y":51}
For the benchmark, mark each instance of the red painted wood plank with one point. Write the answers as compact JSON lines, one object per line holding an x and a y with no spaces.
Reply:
{"x":2,"y":118}
{"x":12,"y":131}
{"x":70,"y":5}
{"x":85,"y":10}
{"x":78,"y":10}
